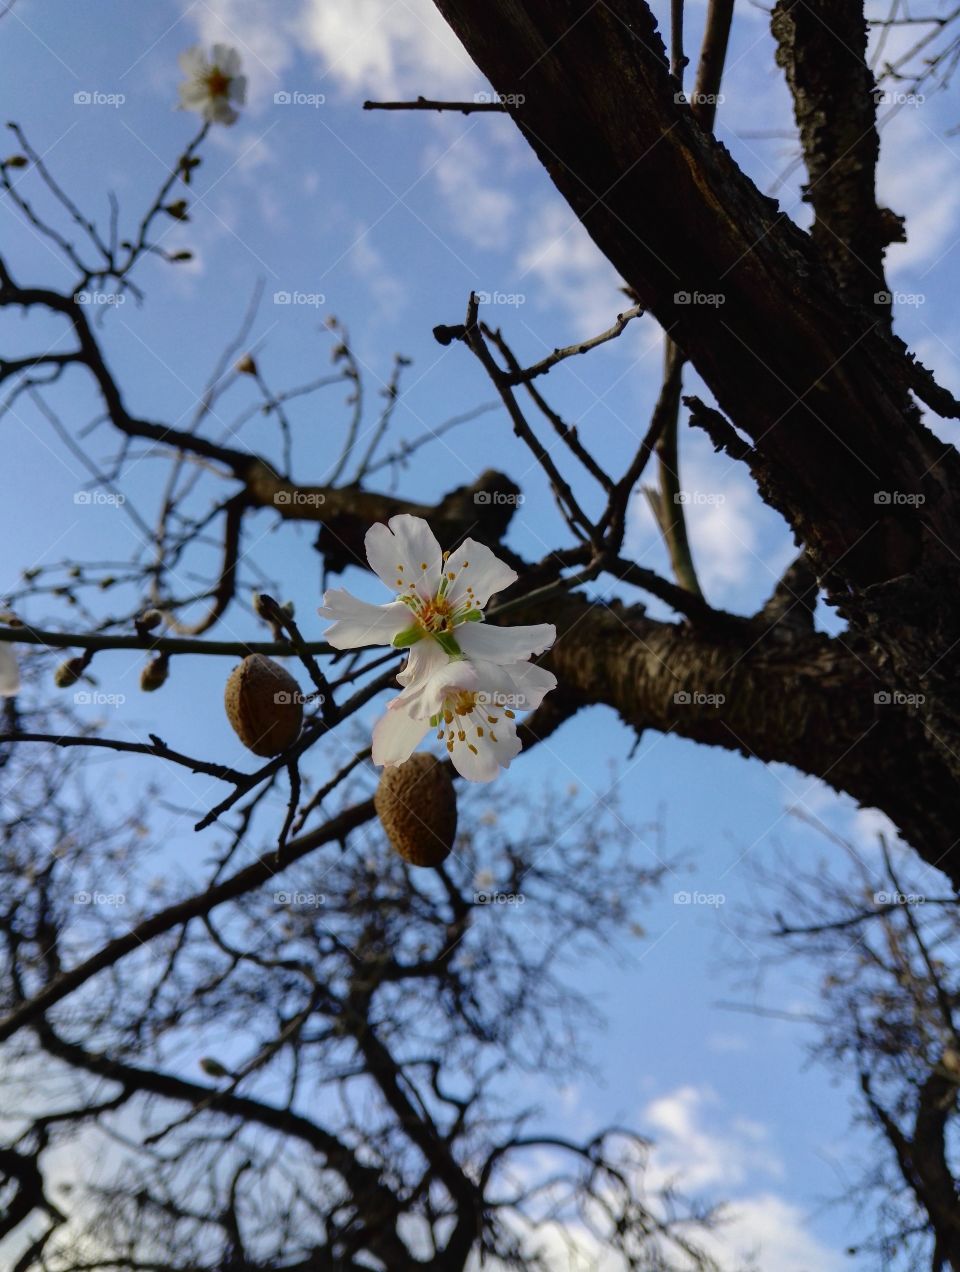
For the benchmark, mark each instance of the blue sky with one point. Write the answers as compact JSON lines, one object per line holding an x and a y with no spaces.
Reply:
{"x":392,"y":219}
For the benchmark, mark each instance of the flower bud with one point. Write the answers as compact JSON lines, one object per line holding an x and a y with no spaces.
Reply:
{"x":154,"y":673}
{"x":149,"y":620}
{"x":213,"y":1068}
{"x":69,"y":672}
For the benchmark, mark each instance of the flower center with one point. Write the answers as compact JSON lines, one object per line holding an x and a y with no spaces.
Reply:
{"x":436,"y":615}
{"x":218,"y":84}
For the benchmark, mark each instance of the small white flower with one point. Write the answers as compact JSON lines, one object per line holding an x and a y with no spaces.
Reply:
{"x":9,"y":672}
{"x":465,"y":702}
{"x":439,"y":602}
{"x":212,"y":87}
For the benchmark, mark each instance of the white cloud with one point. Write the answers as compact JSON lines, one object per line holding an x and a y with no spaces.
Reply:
{"x":570,"y":269}
{"x":917,"y":179}
{"x":773,"y":1232}
{"x":387,"y":47}
{"x":478,"y":209}
{"x":703,"y":1161}
{"x":723,"y":516}
{"x":724,"y":1165}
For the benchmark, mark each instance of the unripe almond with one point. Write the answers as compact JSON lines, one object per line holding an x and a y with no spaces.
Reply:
{"x":417,"y":805}
{"x":264,"y":705}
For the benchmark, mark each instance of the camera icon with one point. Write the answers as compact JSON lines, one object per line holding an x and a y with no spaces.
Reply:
{"x":83,"y":497}
{"x":282,"y":497}
{"x":281,"y":298}
{"x":282,"y":898}
{"x":482,"y":497}
{"x":283,"y":698}
{"x":882,"y":497}
{"x":883,"y":298}
{"x":481,"y":898}
{"x":682,"y":698}
{"x":681,"y":298}
{"x":681,"y":497}
{"x":82,"y":99}
{"x":81,"y":898}
{"x":83,"y":698}
{"x":83,"y":298}
{"x":883,"y":698}
{"x":282,"y":98}
{"x":681,"y":898}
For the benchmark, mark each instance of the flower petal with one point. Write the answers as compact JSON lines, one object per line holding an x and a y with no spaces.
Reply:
{"x":405,"y":555}
{"x":219,"y":111}
{"x":488,"y":755}
{"x":396,"y":736}
{"x":9,"y":672}
{"x":518,"y":686}
{"x":429,"y":679}
{"x":504,"y":644}
{"x":226,"y":59}
{"x":426,"y":658}
{"x":193,"y":95}
{"x":474,"y":574}
{"x":193,"y":61}
{"x":358,"y":623}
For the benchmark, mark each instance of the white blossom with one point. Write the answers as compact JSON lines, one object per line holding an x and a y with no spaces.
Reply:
{"x":213,"y":87}
{"x":463,"y":678}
